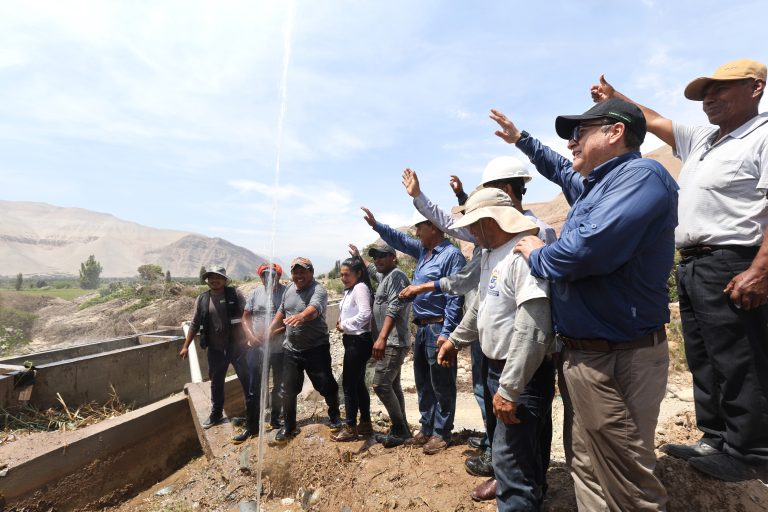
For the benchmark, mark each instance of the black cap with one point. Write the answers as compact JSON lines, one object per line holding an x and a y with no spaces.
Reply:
{"x":619,"y":110}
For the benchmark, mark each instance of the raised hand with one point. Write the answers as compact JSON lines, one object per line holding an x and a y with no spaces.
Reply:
{"x":456,"y":185}
{"x":353,"y":251}
{"x":602,"y":91}
{"x":509,"y":132}
{"x":368,"y":217}
{"x":411,"y":183}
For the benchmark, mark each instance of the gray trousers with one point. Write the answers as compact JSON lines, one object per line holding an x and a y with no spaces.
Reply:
{"x":386,"y":385}
{"x":616,"y":398}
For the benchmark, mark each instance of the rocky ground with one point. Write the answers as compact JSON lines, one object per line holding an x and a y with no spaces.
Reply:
{"x":314,"y":473}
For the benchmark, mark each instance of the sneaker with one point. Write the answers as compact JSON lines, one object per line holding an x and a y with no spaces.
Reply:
{"x":419,"y":439}
{"x":365,"y":429}
{"x":435,"y":445}
{"x":686,"y":451}
{"x":283,"y":436}
{"x":335,"y":424}
{"x":724,"y":467}
{"x":480,"y":465}
{"x":212,"y":420}
{"x":273,"y":425}
{"x":346,"y":434}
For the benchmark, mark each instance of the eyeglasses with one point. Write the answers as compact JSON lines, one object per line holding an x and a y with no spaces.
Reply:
{"x":577,"y":130}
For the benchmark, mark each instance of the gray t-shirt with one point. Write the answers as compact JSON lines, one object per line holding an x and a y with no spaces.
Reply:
{"x":310,"y":334}
{"x":387,"y":302}
{"x":260,"y":317}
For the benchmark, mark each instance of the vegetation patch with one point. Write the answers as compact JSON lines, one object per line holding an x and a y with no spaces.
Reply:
{"x":15,"y":329}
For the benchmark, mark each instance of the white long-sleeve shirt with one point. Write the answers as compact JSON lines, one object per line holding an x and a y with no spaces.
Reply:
{"x":355,"y":316}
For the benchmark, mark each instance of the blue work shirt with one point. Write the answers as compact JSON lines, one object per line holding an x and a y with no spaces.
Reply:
{"x":609,"y":268}
{"x":444,"y":260}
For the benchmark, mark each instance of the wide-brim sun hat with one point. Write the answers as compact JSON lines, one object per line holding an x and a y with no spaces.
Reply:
{"x":495,"y":204}
{"x":734,"y":70}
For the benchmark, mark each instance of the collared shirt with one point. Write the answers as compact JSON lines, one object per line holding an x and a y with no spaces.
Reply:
{"x":355,"y":309}
{"x":723,"y":185}
{"x":443,"y":260}
{"x":610,"y":266}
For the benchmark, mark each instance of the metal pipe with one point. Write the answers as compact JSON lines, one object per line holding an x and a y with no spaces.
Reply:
{"x":194,"y":363}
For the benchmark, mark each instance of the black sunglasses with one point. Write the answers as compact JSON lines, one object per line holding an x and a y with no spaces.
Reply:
{"x":576,"y":134}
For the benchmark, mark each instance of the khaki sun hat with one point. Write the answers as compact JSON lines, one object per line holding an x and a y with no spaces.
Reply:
{"x":495,"y":204}
{"x":302,"y":262}
{"x":734,"y":70}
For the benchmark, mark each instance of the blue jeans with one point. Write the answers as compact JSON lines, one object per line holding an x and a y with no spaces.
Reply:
{"x":435,"y":385}
{"x":521,"y":451}
{"x":218,"y":364}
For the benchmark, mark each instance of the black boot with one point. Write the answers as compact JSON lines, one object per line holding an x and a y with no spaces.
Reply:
{"x":251,"y":424}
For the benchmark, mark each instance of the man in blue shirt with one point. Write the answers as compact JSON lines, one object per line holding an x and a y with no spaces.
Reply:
{"x":608,"y":274}
{"x":436,"y":314}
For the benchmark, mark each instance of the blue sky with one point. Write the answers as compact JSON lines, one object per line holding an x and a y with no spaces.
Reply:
{"x":166,"y":113}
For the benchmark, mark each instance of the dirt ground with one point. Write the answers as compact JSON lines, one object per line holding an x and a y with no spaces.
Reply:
{"x":314,"y":473}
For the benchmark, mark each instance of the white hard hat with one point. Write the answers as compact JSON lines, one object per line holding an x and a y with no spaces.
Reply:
{"x":418,"y":218}
{"x":504,"y":168}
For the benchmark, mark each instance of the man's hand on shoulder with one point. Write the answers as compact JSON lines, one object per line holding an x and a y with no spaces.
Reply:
{"x":527,"y":245}
{"x":509,"y":132}
{"x":748,"y":290}
{"x":411,"y":182}
{"x":602,"y":91}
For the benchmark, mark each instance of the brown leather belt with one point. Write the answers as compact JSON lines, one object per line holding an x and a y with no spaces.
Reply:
{"x":696,"y":251}
{"x":428,"y":320}
{"x":602,"y":345}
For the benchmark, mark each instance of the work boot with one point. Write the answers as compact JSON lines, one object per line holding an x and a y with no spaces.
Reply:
{"x":365,"y":429}
{"x":334,"y":416}
{"x":485,"y":491}
{"x":251,"y":425}
{"x":335,"y":424}
{"x":435,"y":445}
{"x":213,"y":419}
{"x":346,"y":434}
{"x":480,"y":465}
{"x":420,"y":439}
{"x":475,"y":442}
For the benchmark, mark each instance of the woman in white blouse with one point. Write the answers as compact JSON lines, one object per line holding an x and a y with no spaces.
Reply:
{"x":355,"y":322}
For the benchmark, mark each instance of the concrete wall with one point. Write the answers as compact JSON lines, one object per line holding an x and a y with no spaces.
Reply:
{"x":102,"y":464}
{"x":87,"y":349}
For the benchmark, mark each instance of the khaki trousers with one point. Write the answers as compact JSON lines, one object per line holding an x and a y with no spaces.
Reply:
{"x":616,"y":398}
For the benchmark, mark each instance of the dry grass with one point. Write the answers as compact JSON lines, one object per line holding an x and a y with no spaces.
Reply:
{"x":26,"y":419}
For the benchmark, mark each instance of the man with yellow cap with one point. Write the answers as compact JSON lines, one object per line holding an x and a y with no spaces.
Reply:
{"x":723,"y":272}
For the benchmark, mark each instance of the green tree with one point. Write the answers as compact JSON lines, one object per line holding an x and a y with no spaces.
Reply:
{"x":150,"y":272}
{"x":334,"y":273}
{"x":19,"y":281}
{"x":202,"y":275}
{"x":167,"y":276}
{"x":90,"y":270}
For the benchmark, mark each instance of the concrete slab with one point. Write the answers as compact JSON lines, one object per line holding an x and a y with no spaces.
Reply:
{"x":215,"y":441}
{"x":106,"y":462}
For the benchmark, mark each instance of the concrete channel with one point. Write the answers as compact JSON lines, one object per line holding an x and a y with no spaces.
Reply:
{"x":106,"y":463}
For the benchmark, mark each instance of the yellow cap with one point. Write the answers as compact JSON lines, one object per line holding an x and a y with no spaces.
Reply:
{"x":734,"y":70}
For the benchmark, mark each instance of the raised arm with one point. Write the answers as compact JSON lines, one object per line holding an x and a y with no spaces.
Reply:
{"x":657,"y":124}
{"x":393,"y":237}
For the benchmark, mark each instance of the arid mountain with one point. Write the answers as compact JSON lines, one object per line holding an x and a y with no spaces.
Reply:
{"x":554,"y":212}
{"x":41,"y":239}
